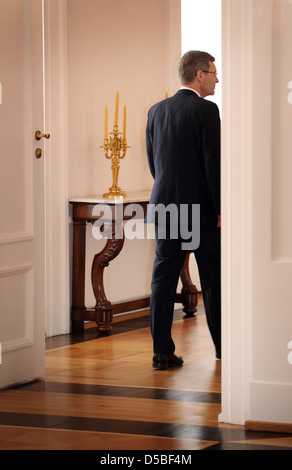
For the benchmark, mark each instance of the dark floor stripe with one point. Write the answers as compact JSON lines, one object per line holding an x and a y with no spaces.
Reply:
{"x":169,"y":430}
{"x":223,"y":436}
{"x":118,"y":391}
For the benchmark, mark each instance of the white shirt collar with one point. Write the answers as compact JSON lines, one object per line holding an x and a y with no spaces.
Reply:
{"x":187,"y":88}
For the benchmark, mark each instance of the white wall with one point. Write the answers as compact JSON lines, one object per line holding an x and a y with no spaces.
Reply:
{"x":117,"y":46}
{"x":256,"y":226}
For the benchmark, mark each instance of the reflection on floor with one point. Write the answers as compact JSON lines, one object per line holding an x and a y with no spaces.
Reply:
{"x":101,"y":393}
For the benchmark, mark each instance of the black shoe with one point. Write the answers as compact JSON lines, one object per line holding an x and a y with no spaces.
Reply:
{"x":218,"y":355}
{"x":164,"y":361}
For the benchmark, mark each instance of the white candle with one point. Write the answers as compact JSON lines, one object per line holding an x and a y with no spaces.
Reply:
{"x":106,"y":122}
{"x":117,"y":109}
{"x":125,"y":121}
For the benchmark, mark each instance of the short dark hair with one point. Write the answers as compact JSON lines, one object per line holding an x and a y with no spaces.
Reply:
{"x":191,"y":62}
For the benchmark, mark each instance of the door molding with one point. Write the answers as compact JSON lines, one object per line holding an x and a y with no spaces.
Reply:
{"x":57,"y":169}
{"x":237,"y":54}
{"x":28,"y":308}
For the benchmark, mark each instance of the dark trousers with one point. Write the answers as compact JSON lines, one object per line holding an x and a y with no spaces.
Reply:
{"x":168,"y":263}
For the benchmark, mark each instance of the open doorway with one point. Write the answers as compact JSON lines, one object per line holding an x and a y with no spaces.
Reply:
{"x":201,"y":29}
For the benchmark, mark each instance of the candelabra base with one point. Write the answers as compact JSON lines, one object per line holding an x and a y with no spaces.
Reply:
{"x":115,"y":194}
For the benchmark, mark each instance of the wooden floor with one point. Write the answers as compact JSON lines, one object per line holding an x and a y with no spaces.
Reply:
{"x":101,"y":393}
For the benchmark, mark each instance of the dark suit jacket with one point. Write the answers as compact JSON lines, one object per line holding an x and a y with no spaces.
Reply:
{"x":183,"y":149}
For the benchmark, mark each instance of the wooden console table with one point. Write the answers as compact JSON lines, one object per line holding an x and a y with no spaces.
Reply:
{"x":84,"y":212}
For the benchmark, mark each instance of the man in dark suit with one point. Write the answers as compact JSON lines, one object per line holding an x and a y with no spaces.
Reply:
{"x":183,"y":148}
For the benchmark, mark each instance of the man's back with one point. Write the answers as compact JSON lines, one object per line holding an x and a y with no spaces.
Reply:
{"x":183,"y":148}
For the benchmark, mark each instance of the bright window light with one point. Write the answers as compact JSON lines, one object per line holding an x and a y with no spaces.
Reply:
{"x":201,"y":30}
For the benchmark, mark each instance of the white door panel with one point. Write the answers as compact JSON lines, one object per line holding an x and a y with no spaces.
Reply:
{"x":22,"y":259}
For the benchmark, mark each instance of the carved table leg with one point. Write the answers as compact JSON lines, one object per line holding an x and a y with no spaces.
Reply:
{"x":103,"y":307}
{"x":189,"y":290}
{"x":78,"y":275}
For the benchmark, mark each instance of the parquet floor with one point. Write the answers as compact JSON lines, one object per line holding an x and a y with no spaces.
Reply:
{"x":101,"y":393}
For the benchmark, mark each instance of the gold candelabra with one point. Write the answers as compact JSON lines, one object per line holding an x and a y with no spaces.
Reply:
{"x":115,"y":149}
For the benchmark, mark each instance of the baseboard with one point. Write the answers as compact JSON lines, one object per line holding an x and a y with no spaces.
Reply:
{"x":121,"y":317}
{"x":117,"y":318}
{"x":268,"y":427}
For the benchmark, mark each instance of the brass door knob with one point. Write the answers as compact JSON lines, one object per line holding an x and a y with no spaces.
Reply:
{"x":39,"y":135}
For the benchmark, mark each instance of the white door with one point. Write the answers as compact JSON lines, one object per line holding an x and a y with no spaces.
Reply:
{"x":22,"y":249}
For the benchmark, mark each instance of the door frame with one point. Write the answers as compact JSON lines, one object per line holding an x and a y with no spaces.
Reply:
{"x":236,"y":208}
{"x":57,"y":170}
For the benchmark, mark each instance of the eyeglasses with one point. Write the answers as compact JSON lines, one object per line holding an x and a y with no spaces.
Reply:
{"x":215,"y":73}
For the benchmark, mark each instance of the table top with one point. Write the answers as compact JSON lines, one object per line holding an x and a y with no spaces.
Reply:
{"x":132,"y":197}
